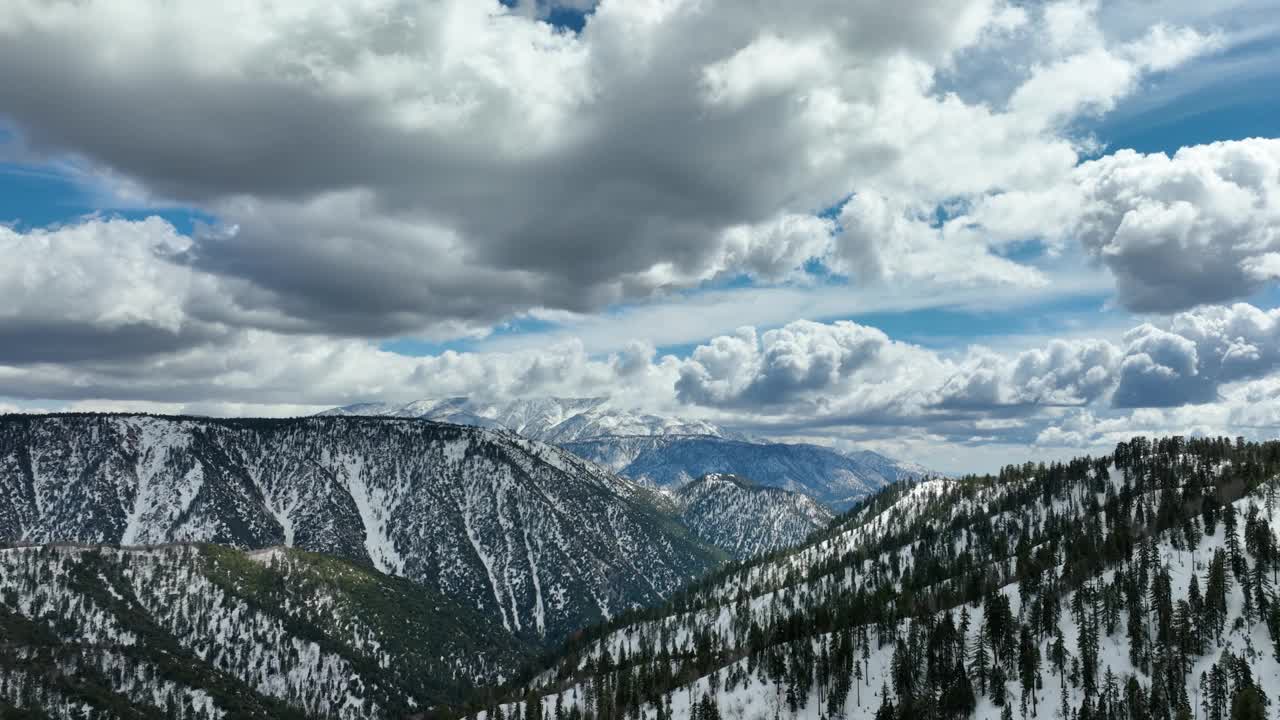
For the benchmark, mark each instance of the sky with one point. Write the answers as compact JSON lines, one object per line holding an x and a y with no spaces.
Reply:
{"x":964,"y":233}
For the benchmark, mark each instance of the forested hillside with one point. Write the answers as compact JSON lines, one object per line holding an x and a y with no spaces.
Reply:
{"x":1137,"y":585}
{"x":192,"y":632}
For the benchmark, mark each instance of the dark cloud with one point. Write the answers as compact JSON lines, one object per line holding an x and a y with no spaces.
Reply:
{"x":27,"y":341}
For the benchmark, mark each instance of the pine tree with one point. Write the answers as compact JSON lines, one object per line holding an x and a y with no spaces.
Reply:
{"x":1248,"y":704}
{"x":981,"y":668}
{"x":887,"y":710}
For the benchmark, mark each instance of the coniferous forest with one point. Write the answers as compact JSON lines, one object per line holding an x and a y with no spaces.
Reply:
{"x":1141,"y":585}
{"x":1137,"y":585}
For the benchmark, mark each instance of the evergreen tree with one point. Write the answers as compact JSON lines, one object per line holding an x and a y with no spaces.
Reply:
{"x":1248,"y":704}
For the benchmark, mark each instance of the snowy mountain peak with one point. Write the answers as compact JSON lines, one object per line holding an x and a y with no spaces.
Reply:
{"x":550,"y":419}
{"x":727,"y":478}
{"x":666,"y":451}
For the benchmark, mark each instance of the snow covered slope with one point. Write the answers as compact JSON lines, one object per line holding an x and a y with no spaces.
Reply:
{"x":748,"y":519}
{"x":1136,"y":585}
{"x":552,"y":420}
{"x":534,"y":538}
{"x":210,"y":632}
{"x":832,"y":478}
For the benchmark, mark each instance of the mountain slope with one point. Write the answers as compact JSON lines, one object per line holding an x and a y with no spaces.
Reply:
{"x":747,"y":519}
{"x":1135,"y":585}
{"x":821,"y":473}
{"x":212,"y":632}
{"x":536,"y":539}
{"x":551,"y":420}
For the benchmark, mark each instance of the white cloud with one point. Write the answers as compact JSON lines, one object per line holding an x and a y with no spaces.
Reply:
{"x":804,"y":366}
{"x":1200,"y":227}
{"x":384,"y":168}
{"x":99,"y":288}
{"x":1214,"y":369}
{"x":1090,"y":77}
{"x":882,"y":239}
{"x":1183,"y":230}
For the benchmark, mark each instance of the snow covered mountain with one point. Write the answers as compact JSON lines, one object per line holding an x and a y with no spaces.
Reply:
{"x":537,"y":540}
{"x":748,"y":519}
{"x":551,"y":420}
{"x":1138,"y":585}
{"x":830,"y":477}
{"x":666,"y":451}
{"x":193,"y":632}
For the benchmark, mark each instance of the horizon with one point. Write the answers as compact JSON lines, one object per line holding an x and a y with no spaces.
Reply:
{"x":964,"y":234}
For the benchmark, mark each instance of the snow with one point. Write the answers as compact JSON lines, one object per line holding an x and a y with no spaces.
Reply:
{"x":372,"y":505}
{"x":557,"y":420}
{"x":266,"y":556}
{"x":153,"y":500}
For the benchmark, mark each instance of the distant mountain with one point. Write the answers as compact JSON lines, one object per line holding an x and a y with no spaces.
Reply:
{"x":748,"y":519}
{"x":833,"y":478}
{"x":535,"y":539}
{"x":666,"y":451}
{"x":206,"y":631}
{"x":551,"y":420}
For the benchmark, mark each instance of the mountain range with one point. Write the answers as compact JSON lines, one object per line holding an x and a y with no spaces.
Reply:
{"x":663,"y":450}
{"x":216,"y":542}
{"x":168,"y":568}
{"x":551,"y":420}
{"x":832,"y":478}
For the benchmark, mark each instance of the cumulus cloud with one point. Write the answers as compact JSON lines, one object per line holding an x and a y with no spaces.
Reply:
{"x":1161,"y":368}
{"x":265,"y":370}
{"x":1062,"y":373}
{"x":1196,"y":228}
{"x":884,"y":239}
{"x":840,"y":367}
{"x":1211,"y":371}
{"x":99,"y":289}
{"x":1089,"y":77}
{"x":1205,"y":371}
{"x":1199,"y":227}
{"x":385,"y":168}
{"x":846,"y":372}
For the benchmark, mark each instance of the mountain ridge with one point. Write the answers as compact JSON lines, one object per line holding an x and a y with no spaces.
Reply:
{"x":1138,"y":584}
{"x":746,"y":518}
{"x":536,"y":537}
{"x":835,"y":479}
{"x":554,"y":420}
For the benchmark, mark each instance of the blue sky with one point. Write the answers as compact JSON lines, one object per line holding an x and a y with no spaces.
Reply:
{"x":731,"y":213}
